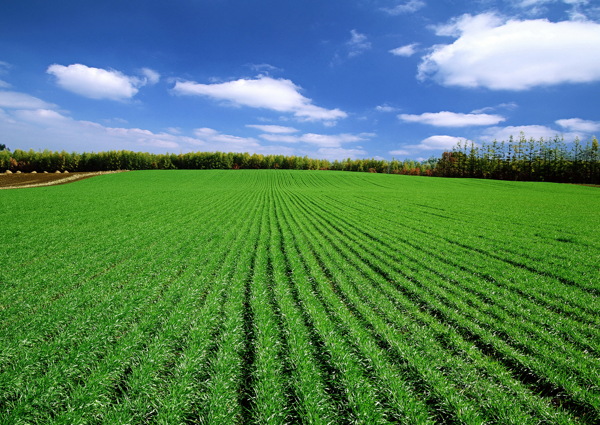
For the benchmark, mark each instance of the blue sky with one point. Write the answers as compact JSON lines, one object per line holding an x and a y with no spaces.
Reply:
{"x":324,"y":78}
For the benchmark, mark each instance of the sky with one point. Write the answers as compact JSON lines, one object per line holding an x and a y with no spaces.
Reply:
{"x":330,"y":79}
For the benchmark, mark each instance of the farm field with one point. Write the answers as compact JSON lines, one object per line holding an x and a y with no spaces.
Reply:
{"x":276,"y":296}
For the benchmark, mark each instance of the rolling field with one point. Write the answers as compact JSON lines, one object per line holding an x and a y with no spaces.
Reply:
{"x":273,"y":296}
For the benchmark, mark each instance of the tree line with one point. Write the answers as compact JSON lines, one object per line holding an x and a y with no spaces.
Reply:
{"x":525,"y":160}
{"x":515,"y":159}
{"x":51,"y":161}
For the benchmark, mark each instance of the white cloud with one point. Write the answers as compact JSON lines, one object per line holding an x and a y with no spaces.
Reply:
{"x":400,"y":152}
{"x":440,"y":142}
{"x":4,"y":67}
{"x":152,"y":77}
{"x":452,"y":119}
{"x":281,"y":138}
{"x":510,"y":106}
{"x":16,"y":100}
{"x":409,"y":6}
{"x":322,"y":140}
{"x":577,"y":124}
{"x":263,"y":68}
{"x":530,"y":131}
{"x":333,"y":141}
{"x":49,"y":129}
{"x":263,"y":92}
{"x":357,"y":44}
{"x":340,"y":153}
{"x":224,"y":142}
{"x":33,"y":126}
{"x":513,"y":55}
{"x":385,"y":108}
{"x":97,"y":83}
{"x":46,"y":117}
{"x":405,"y":51}
{"x":279,"y":129}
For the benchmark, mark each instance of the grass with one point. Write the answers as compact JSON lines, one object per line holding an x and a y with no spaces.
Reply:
{"x":274,"y":296}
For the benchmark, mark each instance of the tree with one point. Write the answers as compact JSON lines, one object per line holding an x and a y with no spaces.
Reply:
{"x":4,"y":148}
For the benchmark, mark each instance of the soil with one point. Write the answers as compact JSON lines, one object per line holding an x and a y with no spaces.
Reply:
{"x":24,"y":180}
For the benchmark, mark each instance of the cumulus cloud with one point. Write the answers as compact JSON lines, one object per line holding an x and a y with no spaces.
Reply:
{"x":279,"y":129}
{"x":409,"y":6}
{"x":405,"y":51}
{"x":452,"y":119}
{"x":16,"y":100}
{"x":98,"y":83}
{"x":577,"y":124}
{"x":358,"y":44}
{"x":500,"y":54}
{"x":263,"y":92}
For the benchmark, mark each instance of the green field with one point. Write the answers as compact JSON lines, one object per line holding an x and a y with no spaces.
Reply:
{"x":273,"y":296}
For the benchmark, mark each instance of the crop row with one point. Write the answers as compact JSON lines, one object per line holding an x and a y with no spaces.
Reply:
{"x":279,"y":297}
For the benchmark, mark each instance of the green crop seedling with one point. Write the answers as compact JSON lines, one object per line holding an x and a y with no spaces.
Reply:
{"x":283,"y":296}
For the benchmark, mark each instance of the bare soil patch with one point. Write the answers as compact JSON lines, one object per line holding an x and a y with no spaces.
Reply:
{"x":25,"y":180}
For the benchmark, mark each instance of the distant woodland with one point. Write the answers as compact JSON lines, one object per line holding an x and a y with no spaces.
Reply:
{"x":516,"y":159}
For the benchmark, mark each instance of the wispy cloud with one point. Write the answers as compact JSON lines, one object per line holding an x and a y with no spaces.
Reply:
{"x":152,"y":77}
{"x":17,"y":100}
{"x":263,"y":68}
{"x":278,"y":129}
{"x":509,"y":106}
{"x":452,"y":119}
{"x":358,"y":44}
{"x":437,"y":142}
{"x":4,"y":67}
{"x":340,"y":153}
{"x":579,"y":10}
{"x":529,"y":131}
{"x":385,"y":108}
{"x":37,"y":124}
{"x":211,"y":139}
{"x":264,"y":92}
{"x":501,"y":54}
{"x":410,"y":6}
{"x":405,"y":51}
{"x":321,"y":140}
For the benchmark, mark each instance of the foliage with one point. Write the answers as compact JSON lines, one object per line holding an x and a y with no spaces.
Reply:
{"x":299,"y":297}
{"x":522,"y":159}
{"x":50,"y":161}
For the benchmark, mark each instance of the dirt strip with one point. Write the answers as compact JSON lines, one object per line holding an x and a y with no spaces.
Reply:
{"x":27,"y":180}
